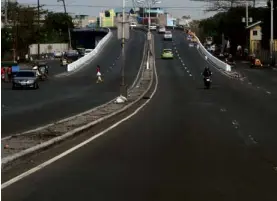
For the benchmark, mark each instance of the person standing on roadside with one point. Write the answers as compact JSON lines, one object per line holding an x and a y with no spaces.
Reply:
{"x":9,"y":71}
{"x":3,"y":74}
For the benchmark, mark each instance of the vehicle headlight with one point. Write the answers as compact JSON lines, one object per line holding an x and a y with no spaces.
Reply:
{"x":30,"y":81}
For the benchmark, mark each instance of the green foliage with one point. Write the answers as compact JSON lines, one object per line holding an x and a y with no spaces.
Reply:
{"x":230,"y":24}
{"x":55,"y":28}
{"x":23,"y":28}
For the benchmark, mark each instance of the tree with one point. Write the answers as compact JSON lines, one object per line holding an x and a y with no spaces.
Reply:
{"x":56,"y":25}
{"x":225,"y":5}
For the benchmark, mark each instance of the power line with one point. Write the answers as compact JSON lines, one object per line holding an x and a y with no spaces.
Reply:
{"x":113,"y":6}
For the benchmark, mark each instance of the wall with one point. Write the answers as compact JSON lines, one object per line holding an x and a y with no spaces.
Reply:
{"x":258,"y":29}
{"x":47,"y":48}
{"x":171,"y":21}
{"x":86,"y":38}
{"x":107,"y":21}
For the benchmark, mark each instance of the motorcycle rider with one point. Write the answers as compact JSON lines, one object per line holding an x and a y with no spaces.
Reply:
{"x":207,"y":72}
{"x":230,"y":59}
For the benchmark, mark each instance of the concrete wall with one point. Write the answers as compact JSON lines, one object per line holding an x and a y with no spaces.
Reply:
{"x":86,"y":39}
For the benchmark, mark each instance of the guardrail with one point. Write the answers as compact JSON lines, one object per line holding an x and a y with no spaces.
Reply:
{"x":214,"y":60}
{"x":87,"y":58}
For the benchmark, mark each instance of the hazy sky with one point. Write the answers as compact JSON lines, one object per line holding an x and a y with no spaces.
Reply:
{"x":93,"y":7}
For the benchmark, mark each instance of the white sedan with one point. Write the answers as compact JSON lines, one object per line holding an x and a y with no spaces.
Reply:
{"x":162,"y":30}
{"x":87,"y":51}
{"x":168,"y":35}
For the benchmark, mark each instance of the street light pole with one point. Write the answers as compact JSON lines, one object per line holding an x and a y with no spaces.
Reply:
{"x":271,"y":31}
{"x":149,"y":15}
{"x":123,"y":51}
{"x":38,"y":5}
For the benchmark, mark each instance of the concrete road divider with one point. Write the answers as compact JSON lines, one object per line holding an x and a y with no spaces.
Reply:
{"x":21,"y":145}
{"x":211,"y":58}
{"x":78,"y":64}
{"x":224,"y":66}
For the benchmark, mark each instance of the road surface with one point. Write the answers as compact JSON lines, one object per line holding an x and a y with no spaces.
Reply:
{"x":264,"y":78}
{"x":58,"y":98}
{"x":188,"y":143}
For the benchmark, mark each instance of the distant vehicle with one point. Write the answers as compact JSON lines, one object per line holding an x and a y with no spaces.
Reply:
{"x":87,"y":51}
{"x":42,"y":66}
{"x":71,"y":55}
{"x":162,"y":30}
{"x":168,"y":35}
{"x":167,"y":54}
{"x":153,"y":27}
{"x":209,"y":40}
{"x":58,"y":54}
{"x":81,"y":51}
{"x":25,"y":79}
{"x":133,"y":24}
{"x":207,"y":82}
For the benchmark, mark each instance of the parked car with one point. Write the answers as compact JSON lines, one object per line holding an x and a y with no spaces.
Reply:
{"x":58,"y":54}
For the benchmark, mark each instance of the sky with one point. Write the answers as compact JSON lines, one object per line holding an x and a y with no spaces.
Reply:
{"x":177,"y":8}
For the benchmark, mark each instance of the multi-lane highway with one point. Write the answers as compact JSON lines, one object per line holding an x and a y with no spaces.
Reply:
{"x":188,"y":143}
{"x":62,"y":97}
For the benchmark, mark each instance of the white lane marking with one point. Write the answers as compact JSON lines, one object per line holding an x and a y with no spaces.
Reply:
{"x":186,"y":68}
{"x":52,"y":160}
{"x":252,"y":139}
{"x":187,"y":71}
{"x":268,"y":92}
{"x":235,"y":123}
{"x":223,"y":110}
{"x":249,"y":83}
{"x":190,"y":75}
{"x":258,"y":87}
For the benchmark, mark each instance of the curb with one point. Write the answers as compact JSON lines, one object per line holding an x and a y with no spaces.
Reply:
{"x":5,"y":161}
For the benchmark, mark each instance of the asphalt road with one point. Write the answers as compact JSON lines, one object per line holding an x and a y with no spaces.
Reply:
{"x":58,"y":98}
{"x":188,"y":143}
{"x":265,"y":78}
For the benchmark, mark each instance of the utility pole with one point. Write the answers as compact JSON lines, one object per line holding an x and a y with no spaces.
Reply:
{"x":123,"y":90}
{"x":246,"y":14}
{"x":6,"y":12}
{"x":271,"y":31}
{"x":149,"y":16}
{"x":123,"y":35}
{"x":68,"y":28}
{"x":38,"y":5}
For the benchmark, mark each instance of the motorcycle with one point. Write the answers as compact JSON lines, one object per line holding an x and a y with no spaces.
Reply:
{"x":207,"y":82}
{"x":256,"y":63}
